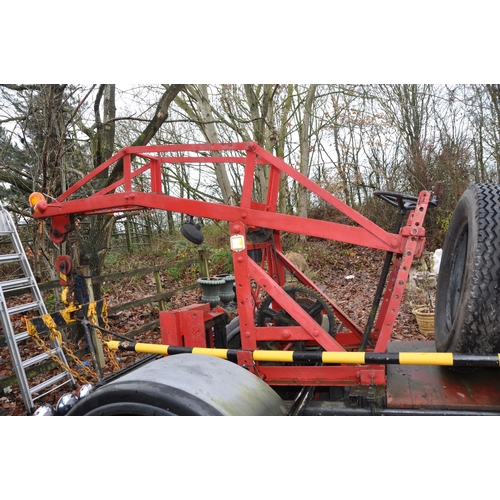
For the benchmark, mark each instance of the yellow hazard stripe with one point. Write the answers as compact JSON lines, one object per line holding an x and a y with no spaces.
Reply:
{"x":30,"y":328}
{"x":49,"y":321}
{"x":426,"y":358}
{"x":351,"y":358}
{"x":355,"y":358}
{"x":164,"y":349}
{"x":276,"y":356}
{"x":113,"y":344}
{"x":65,"y":314}
{"x":218,"y":353}
{"x":146,"y":348}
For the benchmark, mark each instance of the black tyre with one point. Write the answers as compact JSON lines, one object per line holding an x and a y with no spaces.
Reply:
{"x":184,"y":385}
{"x":467,"y":318}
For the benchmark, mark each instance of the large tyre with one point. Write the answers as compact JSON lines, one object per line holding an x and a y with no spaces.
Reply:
{"x":184,"y":385}
{"x":467,"y":318}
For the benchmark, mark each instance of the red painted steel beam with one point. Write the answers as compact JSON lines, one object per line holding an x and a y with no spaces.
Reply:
{"x":311,"y":330}
{"x":322,"y":375}
{"x":414,"y":246}
{"x":325,"y":195}
{"x":406,"y":245}
{"x":368,"y":234}
{"x":119,"y":202}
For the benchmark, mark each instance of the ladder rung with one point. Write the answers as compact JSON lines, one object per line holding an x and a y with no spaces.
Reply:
{"x":51,"y":381}
{"x":21,"y":336}
{"x":23,"y":308}
{"x":10,"y":257}
{"x":25,"y":281}
{"x":36,"y":359}
{"x":15,"y":284}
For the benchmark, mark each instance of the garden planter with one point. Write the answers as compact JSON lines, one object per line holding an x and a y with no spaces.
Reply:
{"x":226,"y":291}
{"x":210,"y":288}
{"x":425,"y":319}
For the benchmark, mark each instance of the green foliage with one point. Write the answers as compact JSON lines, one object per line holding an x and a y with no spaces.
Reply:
{"x":216,"y":234}
{"x":216,"y":244}
{"x":380,"y":212}
{"x":114,"y":258}
{"x":50,"y":301}
{"x":443,"y":220}
{"x":174,"y":273}
{"x":180,"y":249}
{"x":176,"y":248}
{"x":221,"y":260}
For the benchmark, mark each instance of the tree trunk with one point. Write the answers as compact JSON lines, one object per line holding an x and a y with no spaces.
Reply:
{"x":280,"y":147}
{"x":304,"y":150}
{"x":159,"y":118}
{"x":210,"y":133}
{"x":93,"y":251}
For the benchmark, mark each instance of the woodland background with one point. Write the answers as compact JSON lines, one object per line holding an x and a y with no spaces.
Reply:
{"x":351,"y":139}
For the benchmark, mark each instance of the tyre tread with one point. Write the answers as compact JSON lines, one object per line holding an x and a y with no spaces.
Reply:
{"x":480,"y":328}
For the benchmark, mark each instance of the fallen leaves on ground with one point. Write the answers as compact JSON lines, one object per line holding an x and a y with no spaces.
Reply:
{"x":349,"y":276}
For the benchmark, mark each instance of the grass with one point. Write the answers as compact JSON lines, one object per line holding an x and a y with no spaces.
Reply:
{"x":166,"y":249}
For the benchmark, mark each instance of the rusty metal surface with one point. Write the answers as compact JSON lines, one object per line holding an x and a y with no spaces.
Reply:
{"x":437,"y":387}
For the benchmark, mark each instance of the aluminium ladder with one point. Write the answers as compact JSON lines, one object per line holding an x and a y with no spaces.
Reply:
{"x":17,"y":275}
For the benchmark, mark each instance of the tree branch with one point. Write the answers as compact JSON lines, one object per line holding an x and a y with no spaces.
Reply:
{"x":160,"y":116}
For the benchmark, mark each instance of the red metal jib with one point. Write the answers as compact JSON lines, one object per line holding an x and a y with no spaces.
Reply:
{"x":258,"y":226}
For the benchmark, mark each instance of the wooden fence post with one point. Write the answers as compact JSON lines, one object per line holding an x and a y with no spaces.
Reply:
{"x":203,"y":263}
{"x":99,"y":351}
{"x":159,"y":289}
{"x":128,"y":236}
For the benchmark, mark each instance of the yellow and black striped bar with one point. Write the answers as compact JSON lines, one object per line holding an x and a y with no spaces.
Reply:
{"x":304,"y":357}
{"x":59,"y":319}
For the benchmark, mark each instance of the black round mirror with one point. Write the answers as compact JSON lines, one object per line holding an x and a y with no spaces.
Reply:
{"x":192,"y":231}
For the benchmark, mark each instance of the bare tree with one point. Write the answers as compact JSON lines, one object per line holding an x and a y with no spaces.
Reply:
{"x":304,"y":134}
{"x":203,"y":114}
{"x":48,"y":121}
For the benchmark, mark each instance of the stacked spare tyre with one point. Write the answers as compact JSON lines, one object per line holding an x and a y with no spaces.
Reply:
{"x":467,"y":316}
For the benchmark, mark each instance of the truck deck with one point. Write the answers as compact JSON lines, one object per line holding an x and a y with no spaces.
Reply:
{"x":439,"y":387}
{"x":425,"y":389}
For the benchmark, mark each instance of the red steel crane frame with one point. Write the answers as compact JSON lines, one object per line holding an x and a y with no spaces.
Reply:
{"x":145,"y":163}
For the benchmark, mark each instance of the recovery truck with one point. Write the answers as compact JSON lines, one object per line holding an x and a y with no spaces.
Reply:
{"x":291,"y":349}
